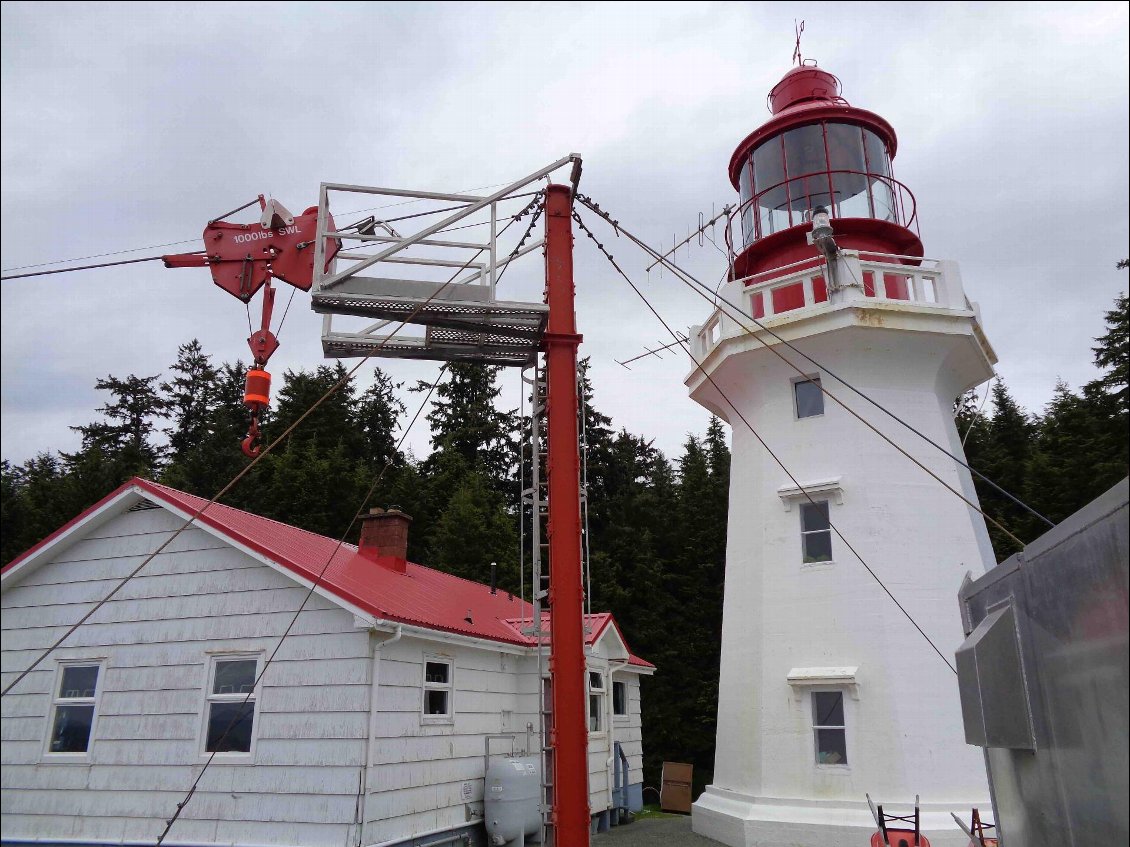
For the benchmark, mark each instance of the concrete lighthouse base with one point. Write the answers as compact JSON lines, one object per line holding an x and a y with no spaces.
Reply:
{"x":740,"y":820}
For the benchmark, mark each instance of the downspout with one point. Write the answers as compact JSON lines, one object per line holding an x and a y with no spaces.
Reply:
{"x":375,"y":648}
{"x":608,"y":765}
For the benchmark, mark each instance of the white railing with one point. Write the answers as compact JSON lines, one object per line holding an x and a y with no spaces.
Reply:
{"x":795,"y":291}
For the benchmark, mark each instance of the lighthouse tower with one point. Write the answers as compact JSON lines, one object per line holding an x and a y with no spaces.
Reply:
{"x":828,"y":691}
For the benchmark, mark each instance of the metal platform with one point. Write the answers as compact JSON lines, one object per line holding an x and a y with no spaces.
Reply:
{"x":462,"y":318}
{"x":438,"y":344}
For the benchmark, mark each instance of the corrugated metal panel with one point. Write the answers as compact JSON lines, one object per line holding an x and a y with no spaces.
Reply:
{"x":1054,"y":683}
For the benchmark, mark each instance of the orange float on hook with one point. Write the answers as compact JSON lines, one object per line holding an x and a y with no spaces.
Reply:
{"x":256,"y":397}
{"x":257,"y":389}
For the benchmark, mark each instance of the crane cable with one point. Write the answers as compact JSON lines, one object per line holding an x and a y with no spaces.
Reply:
{"x":683,"y":344}
{"x":263,"y":453}
{"x":87,"y":267}
{"x":192,"y":240}
{"x":742,"y":315}
{"x":309,"y":593}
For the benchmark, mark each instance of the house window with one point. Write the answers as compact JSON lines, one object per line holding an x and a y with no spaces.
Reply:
{"x":815,"y":532}
{"x":230,"y":708}
{"x":809,"y":397}
{"x":828,"y":727}
{"x":619,"y":699}
{"x":73,"y":708}
{"x":596,"y":701}
{"x":438,"y":686}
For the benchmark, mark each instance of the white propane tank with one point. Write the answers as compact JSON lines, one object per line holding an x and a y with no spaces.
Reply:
{"x":512,"y":798}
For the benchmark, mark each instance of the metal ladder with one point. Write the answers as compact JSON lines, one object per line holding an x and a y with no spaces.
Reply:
{"x":534,"y":512}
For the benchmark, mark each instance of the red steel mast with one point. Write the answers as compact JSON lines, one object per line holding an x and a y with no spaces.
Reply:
{"x":569,"y":735}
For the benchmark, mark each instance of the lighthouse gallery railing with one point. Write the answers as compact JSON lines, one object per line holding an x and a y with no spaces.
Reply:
{"x":800,"y":289}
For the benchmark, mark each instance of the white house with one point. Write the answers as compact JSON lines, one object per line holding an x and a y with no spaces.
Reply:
{"x":368,"y":728}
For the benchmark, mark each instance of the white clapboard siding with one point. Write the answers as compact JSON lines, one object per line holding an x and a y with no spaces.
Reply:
{"x":314,"y":714}
{"x":154,"y":638}
{"x":629,"y":729}
{"x":420,"y":769}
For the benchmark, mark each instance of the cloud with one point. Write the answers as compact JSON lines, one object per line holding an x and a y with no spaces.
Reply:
{"x":128,"y":125}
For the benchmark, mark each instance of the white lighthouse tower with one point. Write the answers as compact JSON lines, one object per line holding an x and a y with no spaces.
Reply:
{"x":827,"y":691}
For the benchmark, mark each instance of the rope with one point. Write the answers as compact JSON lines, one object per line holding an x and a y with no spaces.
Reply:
{"x":761,"y":440}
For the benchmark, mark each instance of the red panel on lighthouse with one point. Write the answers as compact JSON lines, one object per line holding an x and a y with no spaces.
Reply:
{"x":819,"y":290}
{"x":788,"y":297}
{"x":896,"y":286}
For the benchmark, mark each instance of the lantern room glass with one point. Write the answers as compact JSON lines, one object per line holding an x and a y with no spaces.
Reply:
{"x":841,"y":166}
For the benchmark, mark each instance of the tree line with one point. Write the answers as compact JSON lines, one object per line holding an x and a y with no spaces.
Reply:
{"x":657,"y":526}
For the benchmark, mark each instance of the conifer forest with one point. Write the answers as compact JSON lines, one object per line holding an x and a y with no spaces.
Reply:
{"x":657,"y":524}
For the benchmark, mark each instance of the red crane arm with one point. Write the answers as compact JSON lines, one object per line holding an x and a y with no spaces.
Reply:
{"x":244,"y":258}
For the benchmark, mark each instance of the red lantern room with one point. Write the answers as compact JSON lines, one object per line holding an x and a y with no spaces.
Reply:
{"x":817,"y":150}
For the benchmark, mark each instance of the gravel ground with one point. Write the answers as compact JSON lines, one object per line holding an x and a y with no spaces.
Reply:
{"x":654,"y":832}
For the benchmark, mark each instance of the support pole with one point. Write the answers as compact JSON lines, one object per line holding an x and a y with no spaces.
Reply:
{"x":566,"y":594}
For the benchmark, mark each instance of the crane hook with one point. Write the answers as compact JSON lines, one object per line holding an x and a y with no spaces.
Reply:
{"x":250,"y":445}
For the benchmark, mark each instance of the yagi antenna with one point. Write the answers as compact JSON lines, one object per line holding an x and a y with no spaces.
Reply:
{"x":657,"y":352}
{"x":698,"y":233}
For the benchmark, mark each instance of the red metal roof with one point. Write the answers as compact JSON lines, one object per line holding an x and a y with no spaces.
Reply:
{"x":421,"y":596}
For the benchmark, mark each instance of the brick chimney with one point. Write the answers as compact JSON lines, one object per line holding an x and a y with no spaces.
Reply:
{"x":384,"y":538}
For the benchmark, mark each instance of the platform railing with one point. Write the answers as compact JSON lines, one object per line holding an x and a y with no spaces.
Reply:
{"x":806,"y":288}
{"x":789,"y":203}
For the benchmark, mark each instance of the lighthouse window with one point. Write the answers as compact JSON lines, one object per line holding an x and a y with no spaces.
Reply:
{"x":809,"y":398}
{"x":769,"y":183}
{"x":815,"y":532}
{"x":804,"y":151}
{"x":876,"y":151}
{"x":828,"y":727}
{"x":848,"y":165}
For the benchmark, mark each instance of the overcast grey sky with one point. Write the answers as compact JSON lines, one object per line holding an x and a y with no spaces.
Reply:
{"x":131,"y":125}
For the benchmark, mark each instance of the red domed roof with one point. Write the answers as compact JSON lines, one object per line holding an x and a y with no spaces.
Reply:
{"x":804,"y":83}
{"x":807,"y":94}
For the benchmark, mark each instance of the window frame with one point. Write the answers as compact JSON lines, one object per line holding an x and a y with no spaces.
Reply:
{"x":846,"y":764}
{"x":426,"y":686}
{"x":623,"y":686}
{"x":57,"y":700}
{"x":601,"y":693}
{"x":804,"y":533}
{"x":801,"y":380}
{"x":214,"y":659}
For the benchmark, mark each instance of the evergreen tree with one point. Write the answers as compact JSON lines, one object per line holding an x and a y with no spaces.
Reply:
{"x":1004,"y":455}
{"x":464,"y":420}
{"x":209,"y":454}
{"x":1113,"y":354}
{"x":331,"y":423}
{"x":1077,"y":455}
{"x":377,"y":415}
{"x":316,"y":487}
{"x":473,"y":530}
{"x":126,"y":437}
{"x":37,"y":500}
{"x":191,"y":397}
